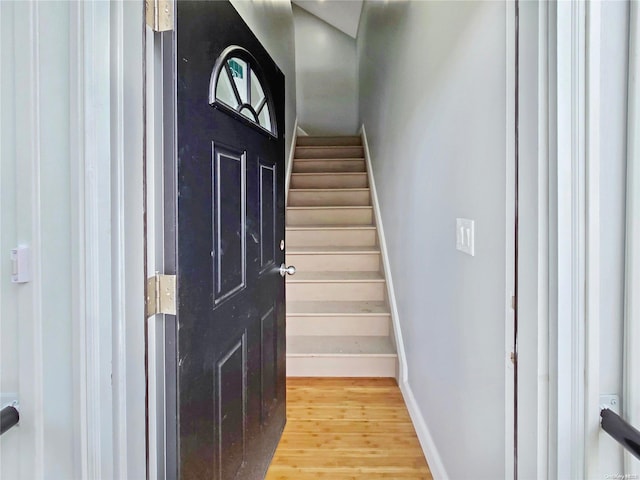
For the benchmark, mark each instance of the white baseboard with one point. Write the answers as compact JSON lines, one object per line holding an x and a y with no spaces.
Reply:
{"x":424,"y":436}
{"x":300,"y":131}
{"x":292,"y":151}
{"x":402,"y":359}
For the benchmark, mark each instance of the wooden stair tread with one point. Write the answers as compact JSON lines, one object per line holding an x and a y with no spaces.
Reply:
{"x":329,"y":159}
{"x":329,"y":197}
{"x":328,"y":151}
{"x":366,"y":308}
{"x":333,"y":250}
{"x":340,"y":346}
{"x":329,"y":190}
{"x":329,"y":173}
{"x":330,"y":166}
{"x":322,"y":147}
{"x":328,"y":207}
{"x":328,"y":140}
{"x":332,"y":226}
{"x":338,"y":319}
{"x":337,"y":277}
{"x":310,"y":174}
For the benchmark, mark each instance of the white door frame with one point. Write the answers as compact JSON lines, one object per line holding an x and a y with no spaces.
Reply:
{"x":574,"y":100}
{"x":108,"y":298}
{"x":574,"y":241}
{"x":91,"y":147}
{"x":154,"y":246}
{"x":591,"y":379}
{"x":533,"y":235}
{"x":631,"y":365}
{"x":510,"y":226}
{"x":568,"y":246}
{"x":127,"y":226}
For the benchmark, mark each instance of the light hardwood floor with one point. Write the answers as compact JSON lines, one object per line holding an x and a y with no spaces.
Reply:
{"x":347,"y":428}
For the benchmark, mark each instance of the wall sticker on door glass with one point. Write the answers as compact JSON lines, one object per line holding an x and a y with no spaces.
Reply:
{"x":236,"y":69}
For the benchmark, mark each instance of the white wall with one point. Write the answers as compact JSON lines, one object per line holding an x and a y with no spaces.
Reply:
{"x":432,"y":99}
{"x":272,"y":23}
{"x":327,"y":77}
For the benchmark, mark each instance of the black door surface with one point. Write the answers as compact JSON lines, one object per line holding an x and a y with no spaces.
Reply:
{"x":228,"y":375}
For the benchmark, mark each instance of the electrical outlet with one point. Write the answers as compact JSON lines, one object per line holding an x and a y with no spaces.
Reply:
{"x":465,"y":235}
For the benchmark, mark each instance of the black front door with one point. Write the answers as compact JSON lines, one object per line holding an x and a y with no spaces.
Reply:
{"x":228,"y":376}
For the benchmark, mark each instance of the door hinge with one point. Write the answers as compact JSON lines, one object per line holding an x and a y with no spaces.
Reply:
{"x":514,"y":357}
{"x":161,"y":294}
{"x":159,"y":14}
{"x":513,"y":302}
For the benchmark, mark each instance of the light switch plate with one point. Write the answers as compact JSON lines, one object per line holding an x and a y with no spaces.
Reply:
{"x":465,"y":235}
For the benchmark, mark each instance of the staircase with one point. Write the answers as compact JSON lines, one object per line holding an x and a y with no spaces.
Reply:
{"x":338,"y":320}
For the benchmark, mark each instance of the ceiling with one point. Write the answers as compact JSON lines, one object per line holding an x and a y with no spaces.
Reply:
{"x":342,"y":14}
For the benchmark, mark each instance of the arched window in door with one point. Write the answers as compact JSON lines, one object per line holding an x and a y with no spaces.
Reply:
{"x":235,"y":86}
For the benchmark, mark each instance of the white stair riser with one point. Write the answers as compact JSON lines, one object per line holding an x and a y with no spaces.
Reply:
{"x":367,"y":262}
{"x":335,"y":291}
{"x":341,"y":366}
{"x":328,"y":152}
{"x":310,"y":166}
{"x":360,"y":325}
{"x":339,"y":238}
{"x":340,"y":197}
{"x":330,"y":216}
{"x":327,"y":141}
